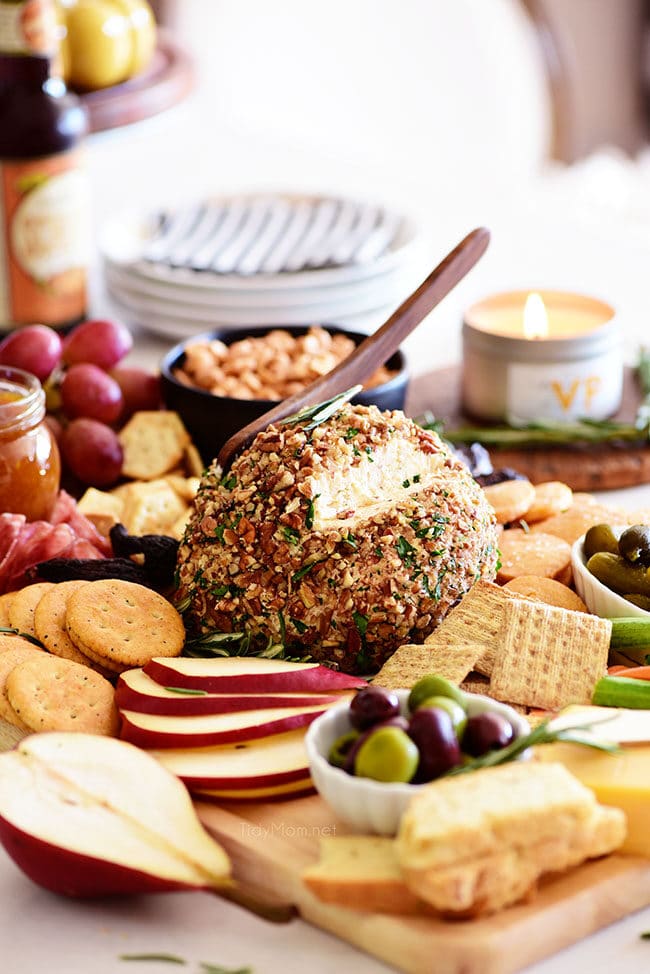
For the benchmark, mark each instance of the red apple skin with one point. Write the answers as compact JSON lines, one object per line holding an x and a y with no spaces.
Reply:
{"x":126,"y":698}
{"x":195,"y":782}
{"x":75,"y":874}
{"x":147,"y":738}
{"x":317,"y":679}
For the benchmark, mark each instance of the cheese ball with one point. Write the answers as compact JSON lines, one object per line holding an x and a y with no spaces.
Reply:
{"x":339,"y":542}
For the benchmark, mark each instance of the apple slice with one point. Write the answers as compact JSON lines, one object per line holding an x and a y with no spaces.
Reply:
{"x":90,"y":816}
{"x":244,"y":674}
{"x":273,"y":760}
{"x":293,"y":789}
{"x":159,"y":730}
{"x":137,"y":691}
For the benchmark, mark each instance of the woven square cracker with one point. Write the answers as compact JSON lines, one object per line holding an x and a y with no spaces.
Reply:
{"x":550,"y":657}
{"x":411,"y":662}
{"x":477,"y":618}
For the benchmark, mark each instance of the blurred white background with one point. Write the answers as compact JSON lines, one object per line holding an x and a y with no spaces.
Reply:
{"x":441,"y":108}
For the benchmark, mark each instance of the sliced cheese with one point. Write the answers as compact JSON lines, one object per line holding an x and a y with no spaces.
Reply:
{"x":616,"y":724}
{"x":620,"y":780}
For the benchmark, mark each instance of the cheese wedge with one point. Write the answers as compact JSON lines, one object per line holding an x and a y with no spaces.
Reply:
{"x":620,"y":780}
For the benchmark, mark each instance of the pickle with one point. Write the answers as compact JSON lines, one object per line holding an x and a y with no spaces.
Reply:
{"x":619,"y":575}
{"x":600,"y":537}
{"x":634,"y":544}
{"x":641,"y":601}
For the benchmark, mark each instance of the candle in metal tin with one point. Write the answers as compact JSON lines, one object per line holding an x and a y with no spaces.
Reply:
{"x":541,"y":355}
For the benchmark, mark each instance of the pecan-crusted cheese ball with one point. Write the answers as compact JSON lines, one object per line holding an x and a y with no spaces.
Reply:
{"x":342,"y":542}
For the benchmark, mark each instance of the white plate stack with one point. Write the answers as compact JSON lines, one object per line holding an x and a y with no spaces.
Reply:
{"x":258,"y":260}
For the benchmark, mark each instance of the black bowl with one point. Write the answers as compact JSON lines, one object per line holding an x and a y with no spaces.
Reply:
{"x":211,"y":420}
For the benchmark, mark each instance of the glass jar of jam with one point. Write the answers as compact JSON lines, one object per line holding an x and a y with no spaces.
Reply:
{"x":29,"y":458}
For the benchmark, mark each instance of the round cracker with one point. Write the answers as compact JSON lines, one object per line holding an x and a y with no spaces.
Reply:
{"x":49,"y":621}
{"x":552,"y":497}
{"x":23,"y":605}
{"x":52,"y":694}
{"x":5,"y":602}
{"x":511,"y":499}
{"x":122,"y":624}
{"x":546,"y":590}
{"x":525,"y":553}
{"x":18,"y":653}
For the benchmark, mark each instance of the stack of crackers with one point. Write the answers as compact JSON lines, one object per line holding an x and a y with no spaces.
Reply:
{"x":164,"y":468}
{"x":530,"y":640}
{"x":72,"y":639}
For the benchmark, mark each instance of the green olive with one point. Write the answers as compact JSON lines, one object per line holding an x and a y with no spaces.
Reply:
{"x":634,"y":544}
{"x":454,"y":709}
{"x":619,"y":575}
{"x":600,"y":537}
{"x":387,"y":754}
{"x":341,"y":748}
{"x":434,"y":686}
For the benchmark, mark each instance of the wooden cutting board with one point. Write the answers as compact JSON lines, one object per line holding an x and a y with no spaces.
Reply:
{"x":585,"y":468}
{"x":270,"y":844}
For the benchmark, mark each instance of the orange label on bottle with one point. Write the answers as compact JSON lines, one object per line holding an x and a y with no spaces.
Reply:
{"x":45,"y":245}
{"x":28,"y":27}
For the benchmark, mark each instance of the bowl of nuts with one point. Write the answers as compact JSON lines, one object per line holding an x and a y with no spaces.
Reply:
{"x":221,"y":380}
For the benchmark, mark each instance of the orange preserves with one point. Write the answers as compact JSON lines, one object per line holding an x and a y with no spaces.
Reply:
{"x":29,"y":459}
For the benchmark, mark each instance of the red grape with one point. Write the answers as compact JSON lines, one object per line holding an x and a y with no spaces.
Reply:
{"x":88,"y":391}
{"x":140,"y":389}
{"x":34,"y":348}
{"x":101,"y":342}
{"x":92,"y":452}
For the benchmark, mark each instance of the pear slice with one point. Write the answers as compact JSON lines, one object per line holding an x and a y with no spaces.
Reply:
{"x":89,"y":816}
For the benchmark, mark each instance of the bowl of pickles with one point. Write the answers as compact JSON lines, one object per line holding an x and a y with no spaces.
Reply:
{"x":369,"y":755}
{"x":611,"y":570}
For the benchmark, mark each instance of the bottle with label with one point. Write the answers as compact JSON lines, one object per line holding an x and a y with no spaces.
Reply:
{"x":44,"y":196}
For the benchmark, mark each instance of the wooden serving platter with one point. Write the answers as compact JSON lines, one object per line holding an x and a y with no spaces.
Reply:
{"x":584,"y":468}
{"x":270,"y":845}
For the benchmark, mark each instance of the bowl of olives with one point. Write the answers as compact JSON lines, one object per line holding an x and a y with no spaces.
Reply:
{"x":611,"y":570}
{"x":368,"y":756}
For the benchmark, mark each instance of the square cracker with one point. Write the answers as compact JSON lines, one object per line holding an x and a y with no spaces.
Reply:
{"x":477,"y":618}
{"x":549,"y":657}
{"x":154,"y":443}
{"x":411,"y":662}
{"x":151,"y":507}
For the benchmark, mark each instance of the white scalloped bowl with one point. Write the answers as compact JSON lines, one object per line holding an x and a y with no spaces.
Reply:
{"x":597,"y":597}
{"x":367,"y":805}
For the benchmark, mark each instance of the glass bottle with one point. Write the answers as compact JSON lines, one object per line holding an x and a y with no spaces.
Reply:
{"x":44,"y":197}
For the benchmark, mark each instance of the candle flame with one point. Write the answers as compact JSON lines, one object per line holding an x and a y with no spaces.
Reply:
{"x":535,"y":317}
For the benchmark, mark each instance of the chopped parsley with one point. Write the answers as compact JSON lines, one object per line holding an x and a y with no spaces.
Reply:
{"x":309,"y":518}
{"x":405,"y":550}
{"x":350,"y":433}
{"x":298,"y":625}
{"x":290,"y":534}
{"x":301,"y":572}
{"x":369,"y":454}
{"x":351,"y":540}
{"x":229,"y":482}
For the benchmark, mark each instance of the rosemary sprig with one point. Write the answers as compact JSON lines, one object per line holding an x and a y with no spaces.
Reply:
{"x":11,"y":631}
{"x":312,"y":416}
{"x":165,"y":958}
{"x":548,"y":433}
{"x":542,"y":734}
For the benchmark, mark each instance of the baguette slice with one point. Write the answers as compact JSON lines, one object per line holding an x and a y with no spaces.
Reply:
{"x":472,"y":844}
{"x":361,"y":872}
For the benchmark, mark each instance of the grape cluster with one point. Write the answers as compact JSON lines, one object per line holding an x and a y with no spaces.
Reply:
{"x":88,"y":395}
{"x":436,"y":736}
